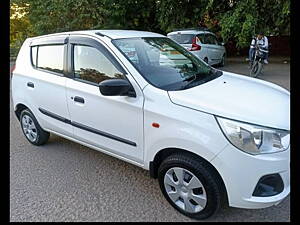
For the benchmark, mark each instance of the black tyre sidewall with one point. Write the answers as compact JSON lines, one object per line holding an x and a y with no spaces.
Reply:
{"x":213,"y":193}
{"x":42,"y":136}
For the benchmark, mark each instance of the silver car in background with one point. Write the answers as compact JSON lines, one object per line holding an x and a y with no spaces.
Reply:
{"x":202,"y":43}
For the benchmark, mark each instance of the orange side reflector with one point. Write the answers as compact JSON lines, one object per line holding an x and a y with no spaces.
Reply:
{"x":156,"y":125}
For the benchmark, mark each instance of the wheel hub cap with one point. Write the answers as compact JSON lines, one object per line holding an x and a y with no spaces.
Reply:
{"x":29,"y":128}
{"x":185,"y":190}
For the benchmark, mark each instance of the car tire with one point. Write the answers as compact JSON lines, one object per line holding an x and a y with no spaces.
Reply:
{"x":31,"y":128}
{"x":211,"y":190}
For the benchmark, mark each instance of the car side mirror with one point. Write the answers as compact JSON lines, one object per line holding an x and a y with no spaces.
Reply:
{"x":116,"y":87}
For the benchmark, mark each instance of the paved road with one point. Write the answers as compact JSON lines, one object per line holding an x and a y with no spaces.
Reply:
{"x":65,"y":181}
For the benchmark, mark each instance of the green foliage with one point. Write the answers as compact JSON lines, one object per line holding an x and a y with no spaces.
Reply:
{"x":65,"y":15}
{"x":247,"y":17}
{"x":230,"y":19}
{"x":240,"y":23}
{"x":131,"y":14}
{"x":20,"y":27}
{"x":173,"y":14}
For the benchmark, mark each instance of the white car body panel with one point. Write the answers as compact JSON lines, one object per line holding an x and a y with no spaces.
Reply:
{"x":186,"y":117}
{"x":255,"y":100}
{"x":193,"y":132}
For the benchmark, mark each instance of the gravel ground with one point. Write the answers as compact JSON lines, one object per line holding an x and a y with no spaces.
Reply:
{"x":65,"y":181}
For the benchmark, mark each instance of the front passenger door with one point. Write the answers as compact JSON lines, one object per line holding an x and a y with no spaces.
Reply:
{"x":112,"y":123}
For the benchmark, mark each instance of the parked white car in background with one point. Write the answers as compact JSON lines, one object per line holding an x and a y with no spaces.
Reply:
{"x":201,"y":43}
{"x":208,"y":136}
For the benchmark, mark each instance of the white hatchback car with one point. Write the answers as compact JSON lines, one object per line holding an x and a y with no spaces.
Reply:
{"x":208,"y":136}
{"x":201,"y":43}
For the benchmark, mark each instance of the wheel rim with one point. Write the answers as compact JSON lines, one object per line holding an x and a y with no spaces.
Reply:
{"x":185,"y":190}
{"x":29,"y":128}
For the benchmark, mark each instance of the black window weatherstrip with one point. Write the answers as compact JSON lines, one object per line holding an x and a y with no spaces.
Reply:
{"x":83,"y":127}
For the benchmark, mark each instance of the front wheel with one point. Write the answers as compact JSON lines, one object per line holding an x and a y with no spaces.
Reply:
{"x":190,"y":186}
{"x":256,"y":69}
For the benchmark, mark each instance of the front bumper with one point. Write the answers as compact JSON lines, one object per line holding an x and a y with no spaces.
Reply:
{"x":241,"y":172}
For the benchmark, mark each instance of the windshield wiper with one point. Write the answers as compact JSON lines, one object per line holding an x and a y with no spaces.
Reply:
{"x":206,"y":77}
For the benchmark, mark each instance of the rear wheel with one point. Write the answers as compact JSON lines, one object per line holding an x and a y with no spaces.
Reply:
{"x":190,"y":186}
{"x":31,"y":128}
{"x":222,"y":63}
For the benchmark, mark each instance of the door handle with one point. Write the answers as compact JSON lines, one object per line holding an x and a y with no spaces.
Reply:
{"x":79,"y":99}
{"x":30,"y":84}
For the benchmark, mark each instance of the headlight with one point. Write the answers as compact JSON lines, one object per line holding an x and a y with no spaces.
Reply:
{"x":254,"y":139}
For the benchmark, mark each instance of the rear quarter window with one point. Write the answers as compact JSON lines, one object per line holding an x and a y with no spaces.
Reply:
{"x":49,"y":57}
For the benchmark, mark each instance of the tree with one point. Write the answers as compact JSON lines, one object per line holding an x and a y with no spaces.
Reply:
{"x":237,"y":20}
{"x":247,"y":17}
{"x":174,"y":14}
{"x":132,"y":14}
{"x":20,"y":27}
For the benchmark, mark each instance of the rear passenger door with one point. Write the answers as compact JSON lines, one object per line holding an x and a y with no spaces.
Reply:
{"x":213,"y":48}
{"x":46,"y":83}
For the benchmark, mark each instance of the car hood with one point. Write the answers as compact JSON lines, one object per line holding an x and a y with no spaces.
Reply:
{"x":241,"y":98}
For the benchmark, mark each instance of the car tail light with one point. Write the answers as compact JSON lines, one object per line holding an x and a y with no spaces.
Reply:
{"x":195,"y":47}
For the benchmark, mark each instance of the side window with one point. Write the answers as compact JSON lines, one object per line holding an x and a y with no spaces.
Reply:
{"x":51,"y":57}
{"x":211,"y":39}
{"x":91,"y":65}
{"x":33,"y":55}
{"x":206,"y":39}
{"x":214,"y":40}
{"x":201,"y":37}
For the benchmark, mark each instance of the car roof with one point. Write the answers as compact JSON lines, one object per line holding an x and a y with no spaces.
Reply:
{"x":190,"y":32}
{"x":112,"y":34}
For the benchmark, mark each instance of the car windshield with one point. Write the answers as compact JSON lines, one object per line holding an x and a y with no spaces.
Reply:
{"x":182,"y":38}
{"x":164,"y":63}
